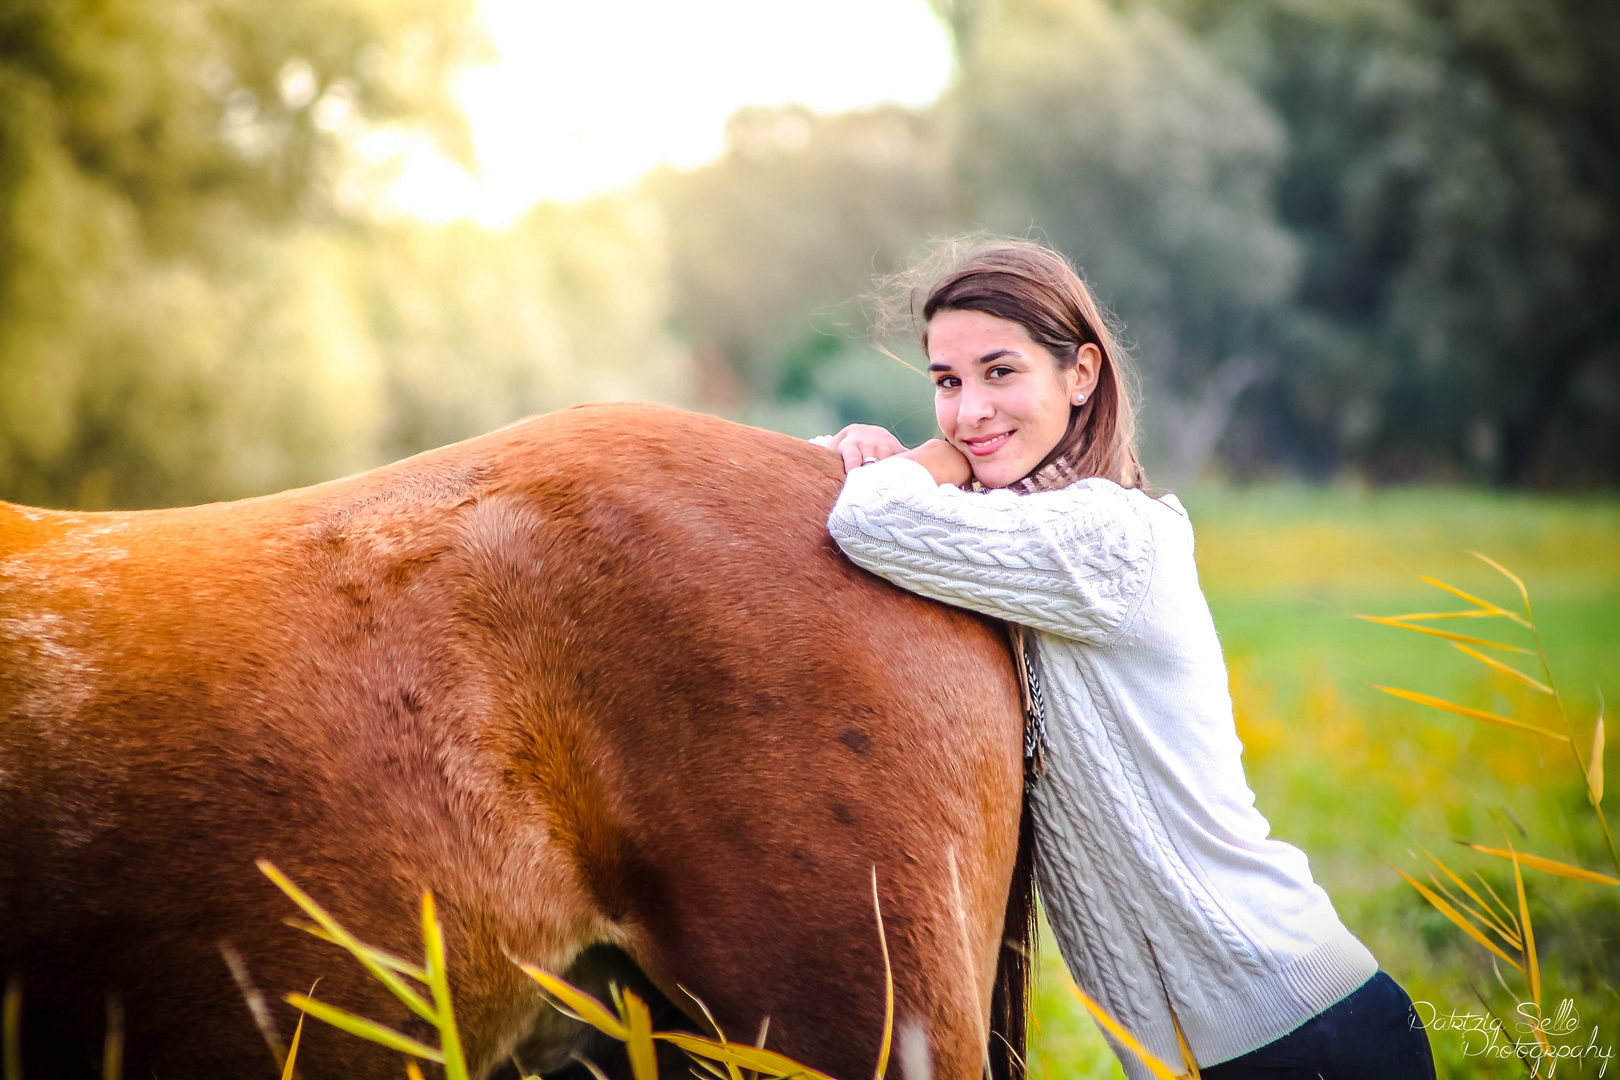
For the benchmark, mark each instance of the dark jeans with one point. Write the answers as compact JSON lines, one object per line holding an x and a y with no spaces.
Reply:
{"x":1372,"y":1033}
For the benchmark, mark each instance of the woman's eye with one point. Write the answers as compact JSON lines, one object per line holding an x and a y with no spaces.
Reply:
{"x":1000,"y":368}
{"x":948,"y":382}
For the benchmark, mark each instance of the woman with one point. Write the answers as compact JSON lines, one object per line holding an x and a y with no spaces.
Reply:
{"x":1169,"y":903}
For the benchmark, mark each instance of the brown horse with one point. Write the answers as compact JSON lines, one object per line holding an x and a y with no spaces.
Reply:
{"x":598,"y":680}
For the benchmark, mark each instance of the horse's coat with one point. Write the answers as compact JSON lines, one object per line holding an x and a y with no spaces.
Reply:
{"x":598,"y":678}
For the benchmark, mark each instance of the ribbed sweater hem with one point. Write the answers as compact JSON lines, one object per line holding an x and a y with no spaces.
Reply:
{"x":1246,"y":1019}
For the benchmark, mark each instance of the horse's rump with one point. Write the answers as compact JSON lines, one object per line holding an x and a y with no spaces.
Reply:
{"x":599,"y":678}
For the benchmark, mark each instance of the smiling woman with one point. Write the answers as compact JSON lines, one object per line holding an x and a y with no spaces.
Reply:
{"x":1206,"y":938}
{"x":1030,"y":387}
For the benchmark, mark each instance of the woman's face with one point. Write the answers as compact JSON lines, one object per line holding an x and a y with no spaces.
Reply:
{"x":999,"y":396}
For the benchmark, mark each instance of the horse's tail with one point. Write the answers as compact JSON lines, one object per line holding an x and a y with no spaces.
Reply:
{"x":1009,"y":1004}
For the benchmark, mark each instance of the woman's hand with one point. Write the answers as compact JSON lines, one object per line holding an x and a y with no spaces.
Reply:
{"x":861,"y":444}
{"x":944,"y":461}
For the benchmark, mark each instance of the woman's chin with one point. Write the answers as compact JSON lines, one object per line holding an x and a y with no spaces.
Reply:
{"x":995,"y":475}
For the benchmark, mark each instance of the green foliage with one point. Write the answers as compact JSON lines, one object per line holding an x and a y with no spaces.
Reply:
{"x":152,"y":341}
{"x":777,"y":239}
{"x":1451,"y":178}
{"x":1376,"y":236}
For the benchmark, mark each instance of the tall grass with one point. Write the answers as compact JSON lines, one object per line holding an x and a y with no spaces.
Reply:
{"x":628,"y":1021}
{"x":1496,"y":924}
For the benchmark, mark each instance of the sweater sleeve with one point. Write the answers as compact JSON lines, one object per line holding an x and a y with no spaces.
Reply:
{"x":1074,"y":562}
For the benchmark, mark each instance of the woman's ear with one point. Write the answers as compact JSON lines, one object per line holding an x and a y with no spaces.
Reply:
{"x":1083,"y":376}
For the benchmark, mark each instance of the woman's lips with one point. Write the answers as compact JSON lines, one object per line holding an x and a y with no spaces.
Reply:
{"x":986,"y":446}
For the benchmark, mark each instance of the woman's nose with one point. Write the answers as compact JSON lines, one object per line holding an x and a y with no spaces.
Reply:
{"x":974,"y":405}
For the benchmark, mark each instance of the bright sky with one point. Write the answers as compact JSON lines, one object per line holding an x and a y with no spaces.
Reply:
{"x":587,"y":96}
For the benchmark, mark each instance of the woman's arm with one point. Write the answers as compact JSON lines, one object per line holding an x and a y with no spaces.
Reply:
{"x":864,"y":444}
{"x":1074,"y":562}
{"x":943,"y":461}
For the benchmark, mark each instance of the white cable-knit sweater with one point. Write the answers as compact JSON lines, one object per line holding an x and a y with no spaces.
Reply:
{"x":1154,"y":865}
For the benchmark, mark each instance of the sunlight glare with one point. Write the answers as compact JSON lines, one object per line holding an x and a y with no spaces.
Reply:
{"x":585,"y":98}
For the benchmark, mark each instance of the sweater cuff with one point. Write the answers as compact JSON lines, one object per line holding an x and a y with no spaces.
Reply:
{"x":894,"y":471}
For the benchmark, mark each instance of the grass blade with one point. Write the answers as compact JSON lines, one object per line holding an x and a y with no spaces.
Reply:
{"x":972,"y":981}
{"x":639,"y":1045}
{"x":1529,"y":939}
{"x":714,"y":1070}
{"x":1491,"y":661}
{"x":413,"y":1071}
{"x":1117,"y":1030}
{"x":888,"y":987}
{"x":584,"y":1006}
{"x":387,"y":960}
{"x":1549,"y":866}
{"x":363,"y":1028}
{"x":1524,"y":593}
{"x":1594,"y":769}
{"x":590,"y":1067}
{"x":1475,"y":914}
{"x":1418,"y":615}
{"x":112,"y":1048}
{"x":732,"y":1072}
{"x":292,"y":1051}
{"x":455,"y":1063}
{"x":1187,"y":1058}
{"x":767,"y":1062}
{"x":1512,"y":918}
{"x":11,"y":1032}
{"x":1487,"y":609}
{"x":1489,"y":916}
{"x":360,"y":952}
{"x":1524,"y":921}
{"x":1451,"y":913}
{"x":1474,"y":714}
{"x":1446,"y":634}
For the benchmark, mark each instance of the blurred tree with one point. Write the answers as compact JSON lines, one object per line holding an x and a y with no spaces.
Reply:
{"x":148,"y":155}
{"x":1117,"y":135}
{"x":473,"y":328}
{"x":1121,"y":141}
{"x":773,"y":244}
{"x":1454,"y":177}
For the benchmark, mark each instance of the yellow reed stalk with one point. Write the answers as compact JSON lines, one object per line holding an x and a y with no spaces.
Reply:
{"x":292,"y":1051}
{"x":359,"y":1026}
{"x":1506,"y":669}
{"x":1487,"y":609}
{"x":1117,"y":1030}
{"x":1446,"y":634}
{"x":1473,"y":714}
{"x":1548,"y":866}
{"x":639,"y":1045}
{"x":1451,"y":913}
{"x":383,"y":973}
{"x":888,"y":986}
{"x":1496,"y":924}
{"x":455,"y":1064}
{"x":1594,"y":770}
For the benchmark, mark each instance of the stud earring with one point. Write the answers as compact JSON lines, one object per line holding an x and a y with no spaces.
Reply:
{"x":1079,"y":399}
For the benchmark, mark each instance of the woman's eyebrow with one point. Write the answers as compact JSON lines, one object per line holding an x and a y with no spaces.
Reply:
{"x":985,"y":359}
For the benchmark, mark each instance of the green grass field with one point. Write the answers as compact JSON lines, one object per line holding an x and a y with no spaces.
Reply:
{"x":1356,"y":777}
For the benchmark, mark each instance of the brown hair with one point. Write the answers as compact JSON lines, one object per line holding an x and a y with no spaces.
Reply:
{"x":1035,"y":287}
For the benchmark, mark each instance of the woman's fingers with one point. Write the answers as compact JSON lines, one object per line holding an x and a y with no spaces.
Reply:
{"x":861,"y":444}
{"x":854,"y":454}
